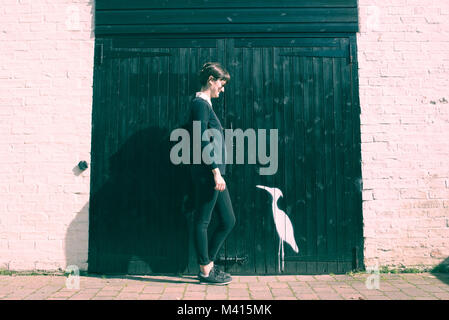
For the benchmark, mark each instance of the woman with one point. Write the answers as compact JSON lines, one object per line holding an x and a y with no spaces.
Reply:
{"x":210,"y":187}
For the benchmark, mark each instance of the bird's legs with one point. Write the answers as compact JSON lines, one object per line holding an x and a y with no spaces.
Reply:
{"x":279,"y":255}
{"x":282,"y":254}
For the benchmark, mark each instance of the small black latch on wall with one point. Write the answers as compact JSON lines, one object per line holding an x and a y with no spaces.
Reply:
{"x":82,"y":165}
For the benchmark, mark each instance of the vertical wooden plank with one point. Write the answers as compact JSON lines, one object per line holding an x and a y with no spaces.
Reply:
{"x":309,"y":116}
{"x":329,"y":153}
{"x":347,"y":147}
{"x":321,"y":241}
{"x":138,"y":164}
{"x":272,"y":119}
{"x":300,"y":158}
{"x":127,"y":151}
{"x":243,"y":236}
{"x":160,"y":216}
{"x":97,"y":155}
{"x":339,"y":155}
{"x":256,"y":207}
{"x":278,"y":113}
{"x":286,"y":101}
{"x":263,"y":200}
{"x":177,"y":68}
{"x":253,"y":206}
{"x":299,"y":163}
{"x":232,"y":246}
{"x":115,"y":249}
{"x":358,"y":219}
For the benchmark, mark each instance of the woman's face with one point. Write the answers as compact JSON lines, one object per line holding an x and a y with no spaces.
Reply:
{"x":216,"y":86}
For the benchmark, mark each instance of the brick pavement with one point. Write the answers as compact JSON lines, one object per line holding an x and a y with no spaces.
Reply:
{"x":417,"y":286}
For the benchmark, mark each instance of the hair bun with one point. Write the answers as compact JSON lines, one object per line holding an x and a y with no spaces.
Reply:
{"x":213,"y":69}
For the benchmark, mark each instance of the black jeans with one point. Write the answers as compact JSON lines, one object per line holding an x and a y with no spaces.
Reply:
{"x":206,"y":200}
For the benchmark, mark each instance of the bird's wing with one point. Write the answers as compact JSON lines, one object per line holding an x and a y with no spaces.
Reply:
{"x":290,"y":235}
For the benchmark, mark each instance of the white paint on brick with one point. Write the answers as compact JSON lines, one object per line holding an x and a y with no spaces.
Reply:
{"x":403,"y":77}
{"x":46,"y":103}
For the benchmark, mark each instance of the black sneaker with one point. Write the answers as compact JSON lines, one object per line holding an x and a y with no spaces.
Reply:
{"x":215,"y":277}
{"x":222,"y":271}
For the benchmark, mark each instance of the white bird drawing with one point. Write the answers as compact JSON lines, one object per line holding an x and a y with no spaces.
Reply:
{"x":283,"y":225}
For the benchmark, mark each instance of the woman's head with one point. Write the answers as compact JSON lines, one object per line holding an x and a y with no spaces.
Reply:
{"x":213,"y":77}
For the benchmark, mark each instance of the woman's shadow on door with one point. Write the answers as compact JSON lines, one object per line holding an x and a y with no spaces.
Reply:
{"x":140,"y":216}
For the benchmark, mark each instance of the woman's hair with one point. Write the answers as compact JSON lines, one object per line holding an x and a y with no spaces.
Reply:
{"x":215,"y":70}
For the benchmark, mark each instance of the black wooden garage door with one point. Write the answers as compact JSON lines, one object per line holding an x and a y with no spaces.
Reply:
{"x":140,"y":208}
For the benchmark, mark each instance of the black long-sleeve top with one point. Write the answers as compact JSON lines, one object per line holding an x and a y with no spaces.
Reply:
{"x":202,"y":111}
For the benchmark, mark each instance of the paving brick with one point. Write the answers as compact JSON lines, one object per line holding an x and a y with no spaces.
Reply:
{"x":103,"y":298}
{"x":147,"y":289}
{"x":397,"y":296}
{"x":264,"y":279}
{"x":350,"y":296}
{"x":216,"y":297}
{"x":307,"y":296}
{"x":379,"y":298}
{"x":324,"y":278}
{"x":305,"y":278}
{"x":261,"y":295}
{"x":373,"y":293}
{"x":221,"y":289}
{"x":430,"y":288}
{"x":149,"y":296}
{"x":441,"y":295}
{"x":82,"y":297}
{"x":171,"y":296}
{"x":278,"y":285}
{"x":134,"y":288}
{"x":287,"y":278}
{"x":303,"y":291}
{"x":196,"y":288}
{"x":247,"y":279}
{"x":239,"y":298}
{"x":238,"y":292}
{"x":174,"y":289}
{"x":324,"y":296}
{"x":194,"y":295}
{"x":238,"y":285}
{"x":319,"y":284}
{"x":415,"y":292}
{"x":284,"y":298}
{"x":327,"y":289}
{"x":258,"y":287}
{"x":282,"y":292}
{"x":107,"y":293}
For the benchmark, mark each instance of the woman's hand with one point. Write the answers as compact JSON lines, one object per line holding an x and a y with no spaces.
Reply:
{"x":220,"y":184}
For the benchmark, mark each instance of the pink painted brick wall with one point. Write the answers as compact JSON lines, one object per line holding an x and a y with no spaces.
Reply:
{"x":403,"y":49}
{"x":46,"y":66}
